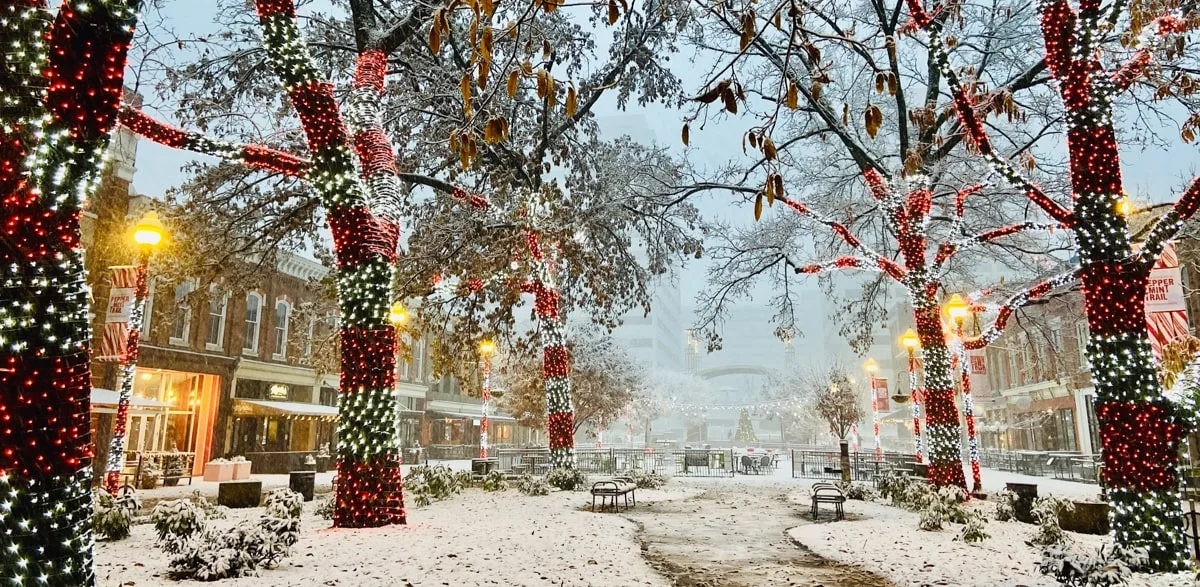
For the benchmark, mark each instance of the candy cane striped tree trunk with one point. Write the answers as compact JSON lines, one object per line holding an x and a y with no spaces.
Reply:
{"x":63,"y":84}
{"x":942,"y":433}
{"x":369,"y":491}
{"x":556,"y":359}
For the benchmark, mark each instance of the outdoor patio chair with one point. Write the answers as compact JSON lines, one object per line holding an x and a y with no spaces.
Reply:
{"x":748,"y":465}
{"x":764,"y":463}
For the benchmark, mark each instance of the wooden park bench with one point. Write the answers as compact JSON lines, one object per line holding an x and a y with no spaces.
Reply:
{"x":618,"y":487}
{"x":828,"y":493}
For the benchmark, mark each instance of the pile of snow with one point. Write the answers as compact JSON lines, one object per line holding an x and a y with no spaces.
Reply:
{"x":889,"y":544}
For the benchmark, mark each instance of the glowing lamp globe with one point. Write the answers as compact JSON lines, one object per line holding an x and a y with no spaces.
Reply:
{"x":957,"y":308}
{"x":149,"y":231}
{"x":398,"y":314}
{"x":487,"y":347}
{"x":910,"y":340}
{"x":871,"y":366}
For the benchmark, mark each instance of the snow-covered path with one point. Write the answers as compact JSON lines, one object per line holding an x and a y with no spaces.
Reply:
{"x":734,"y":533}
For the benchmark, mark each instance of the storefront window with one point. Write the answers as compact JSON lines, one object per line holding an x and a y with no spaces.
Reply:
{"x":185,"y":423}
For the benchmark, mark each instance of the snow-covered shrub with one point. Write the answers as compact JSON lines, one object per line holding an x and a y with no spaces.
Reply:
{"x":1006,"y":508}
{"x":324,"y":508}
{"x":530,"y":485}
{"x":211,"y":510}
{"x":567,"y":478}
{"x":176,"y":522}
{"x":111,"y":517}
{"x":974,"y":529}
{"x":215,"y":554}
{"x":1045,"y":512}
{"x":894,"y":485}
{"x":858,"y":491}
{"x":645,"y":479}
{"x":494,"y":481}
{"x":941,"y":506}
{"x":429,"y":484}
{"x":284,"y":503}
{"x":1111,"y":565}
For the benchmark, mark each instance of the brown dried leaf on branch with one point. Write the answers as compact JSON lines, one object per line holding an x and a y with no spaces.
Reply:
{"x":613,"y":13}
{"x":715,"y":92}
{"x":793,"y":95}
{"x":874,"y":119}
{"x":747,"y":29}
{"x":768,"y":149}
{"x":572,"y":101}
{"x":684,"y":135}
{"x":758,"y":206}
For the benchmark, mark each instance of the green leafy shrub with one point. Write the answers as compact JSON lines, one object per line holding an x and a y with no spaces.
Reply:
{"x":176,"y":522}
{"x":975,"y":528}
{"x":1046,"y":511}
{"x":112,"y":517}
{"x":1006,"y":509}
{"x":211,"y":510}
{"x":494,"y":481}
{"x":858,"y":491}
{"x":211,"y":554}
{"x":1112,"y":565}
{"x":324,"y":508}
{"x":567,"y":478}
{"x":941,"y":506}
{"x":646,"y":479}
{"x":429,"y":484}
{"x":530,"y":485}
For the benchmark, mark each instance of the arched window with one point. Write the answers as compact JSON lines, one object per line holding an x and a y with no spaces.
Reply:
{"x":218,"y":302}
{"x":254,"y":307}
{"x":181,"y":319}
{"x":283,"y":313}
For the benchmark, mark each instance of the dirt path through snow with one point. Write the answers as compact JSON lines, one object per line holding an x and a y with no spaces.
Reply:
{"x":735,"y":535}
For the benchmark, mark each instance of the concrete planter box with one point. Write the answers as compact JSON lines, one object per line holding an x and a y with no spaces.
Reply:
{"x":1026,"y":494}
{"x":1088,"y":518}
{"x":240,"y":494}
{"x":241,"y":470}
{"x":218,"y":472}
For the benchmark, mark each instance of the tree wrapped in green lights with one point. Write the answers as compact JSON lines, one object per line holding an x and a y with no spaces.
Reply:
{"x":1139,"y":429}
{"x":61,"y":76}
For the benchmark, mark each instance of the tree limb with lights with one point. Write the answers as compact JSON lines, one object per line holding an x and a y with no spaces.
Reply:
{"x":1139,"y":430}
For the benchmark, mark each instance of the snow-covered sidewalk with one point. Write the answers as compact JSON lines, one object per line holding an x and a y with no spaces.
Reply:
{"x":476,"y":538}
{"x":890,"y":544}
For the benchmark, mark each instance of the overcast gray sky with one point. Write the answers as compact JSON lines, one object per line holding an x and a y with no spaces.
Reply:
{"x":1156,"y":176}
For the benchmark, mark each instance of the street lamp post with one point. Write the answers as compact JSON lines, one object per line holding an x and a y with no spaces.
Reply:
{"x":872,"y":368}
{"x":486,"y":349}
{"x":147,"y":234}
{"x":958,"y":309}
{"x":911,"y":343}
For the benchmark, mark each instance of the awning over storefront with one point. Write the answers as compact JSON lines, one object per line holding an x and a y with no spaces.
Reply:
{"x":252,"y":407}
{"x":475,"y":416}
{"x":899,"y":414}
{"x":108,"y":397}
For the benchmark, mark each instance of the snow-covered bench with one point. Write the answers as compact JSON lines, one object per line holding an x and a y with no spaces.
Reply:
{"x":617,"y":487}
{"x":828,"y":493}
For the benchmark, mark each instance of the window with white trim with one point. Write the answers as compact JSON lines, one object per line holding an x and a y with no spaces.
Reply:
{"x":181,"y":319}
{"x":218,"y":303}
{"x":402,"y":363}
{"x":254,"y":306}
{"x":283,"y":314}
{"x":419,"y":360}
{"x":310,"y":334}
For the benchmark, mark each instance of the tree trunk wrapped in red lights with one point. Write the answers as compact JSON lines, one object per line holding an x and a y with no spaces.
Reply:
{"x":60,"y":103}
{"x":369,"y":491}
{"x":1139,"y":431}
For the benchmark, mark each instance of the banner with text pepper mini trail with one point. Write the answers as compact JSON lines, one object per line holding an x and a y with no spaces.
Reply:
{"x":1166,"y":308}
{"x":114,"y":344}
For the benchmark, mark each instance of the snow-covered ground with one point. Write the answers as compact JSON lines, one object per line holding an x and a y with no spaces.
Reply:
{"x":476,"y":538}
{"x":889,"y":543}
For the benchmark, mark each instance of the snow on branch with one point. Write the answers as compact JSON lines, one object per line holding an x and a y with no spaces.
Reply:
{"x":255,"y":156}
{"x":951,"y":248}
{"x":873,"y":259}
{"x":1016,"y":301}
{"x":964,"y":106}
{"x":1169,"y":223}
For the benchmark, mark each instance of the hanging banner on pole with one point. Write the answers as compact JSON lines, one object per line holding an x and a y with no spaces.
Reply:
{"x":879,"y":386}
{"x":977,"y":364}
{"x":113,"y":345}
{"x":1166,"y":309}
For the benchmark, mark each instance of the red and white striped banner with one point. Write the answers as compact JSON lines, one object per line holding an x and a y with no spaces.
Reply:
{"x":113,"y":345}
{"x":1166,"y":309}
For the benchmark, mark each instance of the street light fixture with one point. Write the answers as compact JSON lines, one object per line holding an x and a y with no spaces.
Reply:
{"x":910,"y":340}
{"x":148,"y":234}
{"x":957,"y":309}
{"x":398,"y":315}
